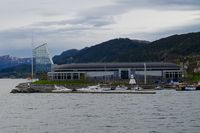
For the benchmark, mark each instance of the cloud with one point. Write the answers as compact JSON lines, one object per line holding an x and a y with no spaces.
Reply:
{"x":104,"y":15}
{"x":162,"y":4}
{"x":165,"y":32}
{"x":75,"y":25}
{"x":15,"y":41}
{"x":87,"y":20}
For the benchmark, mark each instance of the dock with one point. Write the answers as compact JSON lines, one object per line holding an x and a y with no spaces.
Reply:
{"x":109,"y":92}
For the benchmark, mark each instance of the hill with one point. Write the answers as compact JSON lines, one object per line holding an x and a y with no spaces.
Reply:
{"x":65,"y":56}
{"x":177,"y":48}
{"x":126,"y":50}
{"x":9,"y":61}
{"x":168,"y":49}
{"x":19,"y":71}
{"x":109,"y":51}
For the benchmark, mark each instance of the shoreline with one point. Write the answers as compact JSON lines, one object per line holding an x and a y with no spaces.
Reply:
{"x":29,"y":87}
{"x":48,"y":88}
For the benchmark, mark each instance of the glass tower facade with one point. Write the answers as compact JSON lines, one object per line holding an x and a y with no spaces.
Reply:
{"x":42,"y":59}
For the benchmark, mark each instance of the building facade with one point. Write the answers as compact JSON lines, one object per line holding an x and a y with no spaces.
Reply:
{"x":42,"y":59}
{"x":114,"y":71}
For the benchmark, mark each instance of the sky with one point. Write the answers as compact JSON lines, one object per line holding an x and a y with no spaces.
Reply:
{"x":69,"y":24}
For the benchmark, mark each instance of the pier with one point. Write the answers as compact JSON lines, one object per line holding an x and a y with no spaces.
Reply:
{"x":109,"y":92}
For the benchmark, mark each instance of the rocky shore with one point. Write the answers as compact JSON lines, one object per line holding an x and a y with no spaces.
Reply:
{"x":47,"y":88}
{"x":37,"y":88}
{"x":32,"y":88}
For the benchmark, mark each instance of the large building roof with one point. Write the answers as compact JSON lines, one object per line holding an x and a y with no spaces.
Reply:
{"x":149,"y":65}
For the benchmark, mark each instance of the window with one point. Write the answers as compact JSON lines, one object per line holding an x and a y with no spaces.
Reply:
{"x":75,"y":75}
{"x":167,"y":75}
{"x":124,"y":74}
{"x":64,"y":76}
{"x":59,"y":75}
{"x":69,"y":76}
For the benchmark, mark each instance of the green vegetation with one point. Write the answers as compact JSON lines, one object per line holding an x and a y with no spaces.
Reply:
{"x":77,"y":82}
{"x":176,"y":48}
{"x":109,"y":51}
{"x":20,"y":71}
{"x":71,"y":82}
{"x":125,"y":50}
{"x":193,"y":77}
{"x":65,"y":56}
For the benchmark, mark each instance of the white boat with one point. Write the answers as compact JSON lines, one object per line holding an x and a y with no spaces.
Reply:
{"x":158,"y":87}
{"x":95,"y":88}
{"x":138,"y":88}
{"x":190,"y":88}
{"x":90,"y":88}
{"x":61,"y":89}
{"x":121,"y":88}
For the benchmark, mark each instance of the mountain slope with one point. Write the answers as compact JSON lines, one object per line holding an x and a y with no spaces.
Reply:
{"x":109,"y":51}
{"x":177,"y":46}
{"x":126,"y":50}
{"x":9,"y":61}
{"x":65,"y":56}
{"x":19,"y":71}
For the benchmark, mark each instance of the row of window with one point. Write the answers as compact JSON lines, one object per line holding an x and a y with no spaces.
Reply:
{"x":94,"y":70}
{"x":64,"y":76}
{"x":76,"y":76}
{"x":173,"y":75}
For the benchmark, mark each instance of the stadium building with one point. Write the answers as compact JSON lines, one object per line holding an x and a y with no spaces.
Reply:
{"x":102,"y":71}
{"x":115,"y":71}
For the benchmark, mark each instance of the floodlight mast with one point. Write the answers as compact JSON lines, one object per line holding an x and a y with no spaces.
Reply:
{"x":32,"y":45}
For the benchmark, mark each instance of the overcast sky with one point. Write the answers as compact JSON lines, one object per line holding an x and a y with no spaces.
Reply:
{"x":66,"y":24}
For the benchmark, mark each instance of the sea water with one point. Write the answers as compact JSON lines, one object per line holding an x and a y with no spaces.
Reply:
{"x":167,"y":111}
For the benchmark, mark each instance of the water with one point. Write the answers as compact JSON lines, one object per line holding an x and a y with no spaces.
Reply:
{"x":164,"y":112}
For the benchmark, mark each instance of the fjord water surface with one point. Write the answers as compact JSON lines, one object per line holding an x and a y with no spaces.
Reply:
{"x":167,"y":111}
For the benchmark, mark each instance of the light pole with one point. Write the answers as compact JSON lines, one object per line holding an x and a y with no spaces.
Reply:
{"x":145,"y":74}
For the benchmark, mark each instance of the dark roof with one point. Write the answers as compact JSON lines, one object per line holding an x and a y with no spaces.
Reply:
{"x":117,"y":65}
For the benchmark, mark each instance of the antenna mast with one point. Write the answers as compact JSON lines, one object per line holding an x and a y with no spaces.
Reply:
{"x":32,"y":47}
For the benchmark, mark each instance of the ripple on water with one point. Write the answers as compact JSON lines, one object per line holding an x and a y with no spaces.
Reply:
{"x":167,"y":111}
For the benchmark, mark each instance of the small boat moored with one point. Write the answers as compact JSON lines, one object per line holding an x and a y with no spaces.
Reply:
{"x":190,"y":88}
{"x":61,"y":89}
